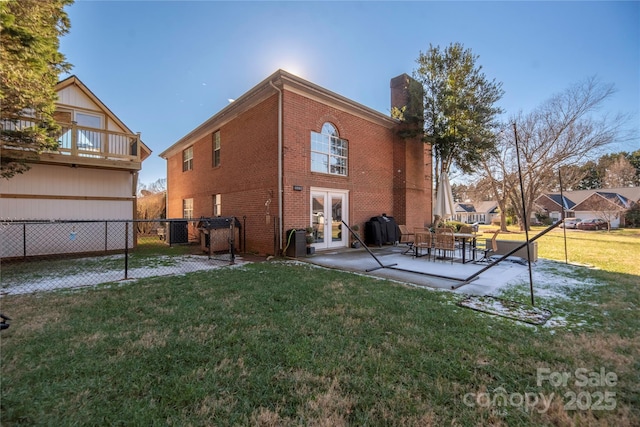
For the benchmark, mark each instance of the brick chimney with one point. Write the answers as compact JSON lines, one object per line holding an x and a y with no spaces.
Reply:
{"x":406,"y":92}
{"x":411,"y":157}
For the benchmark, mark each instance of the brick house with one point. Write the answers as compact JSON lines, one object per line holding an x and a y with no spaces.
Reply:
{"x":609,"y":204}
{"x":290,"y":154}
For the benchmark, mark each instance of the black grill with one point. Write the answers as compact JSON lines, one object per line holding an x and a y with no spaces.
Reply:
{"x":217,"y":223}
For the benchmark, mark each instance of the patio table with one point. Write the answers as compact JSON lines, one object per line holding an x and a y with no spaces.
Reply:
{"x":464,"y":237}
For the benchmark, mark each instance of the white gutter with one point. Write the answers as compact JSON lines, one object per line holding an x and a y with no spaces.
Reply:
{"x":279,"y":163}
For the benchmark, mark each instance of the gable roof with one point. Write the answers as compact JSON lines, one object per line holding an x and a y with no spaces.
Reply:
{"x":577,"y":196}
{"x":279,"y":80}
{"x":75,"y":81}
{"x":552,"y":202}
{"x":465,"y":207}
{"x":601,"y":199}
{"x":562,"y":201}
{"x":487,"y":206}
{"x":622,"y":198}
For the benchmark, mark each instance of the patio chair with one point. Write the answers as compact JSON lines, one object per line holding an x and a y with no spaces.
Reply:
{"x":445,"y":230}
{"x":406,"y":237}
{"x":445,"y":242}
{"x":423,"y":241}
{"x":486,"y":249}
{"x":461,"y":244}
{"x":466,"y":229}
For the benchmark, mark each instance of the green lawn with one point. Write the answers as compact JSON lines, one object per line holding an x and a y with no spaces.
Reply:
{"x":286,"y":344}
{"x":617,"y":250}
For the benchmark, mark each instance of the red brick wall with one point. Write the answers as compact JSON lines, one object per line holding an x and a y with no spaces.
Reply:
{"x":370,"y":176}
{"x":247,"y":176}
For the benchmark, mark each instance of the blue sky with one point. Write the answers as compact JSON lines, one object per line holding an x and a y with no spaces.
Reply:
{"x":164,"y":67}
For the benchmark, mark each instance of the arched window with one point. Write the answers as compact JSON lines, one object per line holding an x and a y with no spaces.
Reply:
{"x":329,"y":153}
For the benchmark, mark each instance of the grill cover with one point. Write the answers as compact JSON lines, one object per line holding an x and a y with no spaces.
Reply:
{"x":217,"y":223}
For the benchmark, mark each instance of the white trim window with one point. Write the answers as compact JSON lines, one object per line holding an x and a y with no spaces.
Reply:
{"x":329,"y":153}
{"x":187,"y":159}
{"x":89,"y":139}
{"x":217,"y":205}
{"x":216,"y":149}
{"x":187,"y":208}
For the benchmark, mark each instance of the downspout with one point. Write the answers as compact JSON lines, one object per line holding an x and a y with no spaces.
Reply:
{"x":279,"y":164}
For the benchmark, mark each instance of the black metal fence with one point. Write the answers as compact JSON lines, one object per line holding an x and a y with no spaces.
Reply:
{"x":48,"y":255}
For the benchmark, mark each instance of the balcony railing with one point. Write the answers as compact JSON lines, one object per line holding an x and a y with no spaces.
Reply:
{"x":81,"y":141}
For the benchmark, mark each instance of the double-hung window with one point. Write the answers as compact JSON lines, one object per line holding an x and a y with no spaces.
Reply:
{"x":187,"y":159}
{"x":217,"y":205}
{"x":187,"y":208}
{"x":329,"y":153}
{"x":216,"y":149}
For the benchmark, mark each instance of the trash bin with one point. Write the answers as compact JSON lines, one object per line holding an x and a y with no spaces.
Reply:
{"x":178,"y":232}
{"x":296,"y":243}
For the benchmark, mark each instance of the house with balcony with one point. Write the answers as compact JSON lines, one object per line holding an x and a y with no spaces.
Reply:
{"x":93,"y":173}
{"x":289,"y":154}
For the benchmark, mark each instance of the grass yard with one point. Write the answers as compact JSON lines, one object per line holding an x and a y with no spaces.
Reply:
{"x":279,"y":343}
{"x":617,"y":250}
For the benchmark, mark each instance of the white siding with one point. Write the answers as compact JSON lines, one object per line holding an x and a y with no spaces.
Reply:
{"x":52,"y":181}
{"x":52,"y":209}
{"x":68,"y":181}
{"x":71,"y":95}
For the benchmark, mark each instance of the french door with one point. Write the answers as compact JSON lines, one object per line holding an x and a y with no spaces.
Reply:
{"x":328,"y":209}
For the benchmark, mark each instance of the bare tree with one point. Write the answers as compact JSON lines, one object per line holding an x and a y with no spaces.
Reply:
{"x":562,"y":131}
{"x":151,"y":204}
{"x":621,"y":173}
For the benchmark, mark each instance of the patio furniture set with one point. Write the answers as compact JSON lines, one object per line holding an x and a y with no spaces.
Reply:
{"x":447,"y":244}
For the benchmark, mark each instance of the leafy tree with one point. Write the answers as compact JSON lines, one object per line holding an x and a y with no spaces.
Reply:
{"x":632,"y":216}
{"x":634,"y":159}
{"x":591,"y":178}
{"x":30,"y":64}
{"x":609,"y":171}
{"x":459,"y":107}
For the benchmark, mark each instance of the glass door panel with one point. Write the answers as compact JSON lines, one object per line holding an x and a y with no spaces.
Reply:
{"x":318,"y":218}
{"x":327,"y":208}
{"x":336,"y":218}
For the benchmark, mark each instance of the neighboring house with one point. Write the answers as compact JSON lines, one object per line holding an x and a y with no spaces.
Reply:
{"x":481,"y":212}
{"x":553,"y":204}
{"x":609,"y":204}
{"x":606,"y":205}
{"x":289,"y":154}
{"x":93,"y":174}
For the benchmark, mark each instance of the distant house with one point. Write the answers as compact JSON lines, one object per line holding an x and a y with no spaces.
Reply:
{"x":480,"y":212}
{"x":289,"y":154}
{"x":91,"y":176}
{"x":609,"y":204}
{"x":553,"y":204}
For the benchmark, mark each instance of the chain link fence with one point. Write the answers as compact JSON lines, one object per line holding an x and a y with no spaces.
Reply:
{"x":44,"y":256}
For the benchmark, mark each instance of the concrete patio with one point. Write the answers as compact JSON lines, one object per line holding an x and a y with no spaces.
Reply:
{"x":422,"y":271}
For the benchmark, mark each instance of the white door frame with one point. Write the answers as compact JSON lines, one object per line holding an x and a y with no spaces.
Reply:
{"x":325,"y":224}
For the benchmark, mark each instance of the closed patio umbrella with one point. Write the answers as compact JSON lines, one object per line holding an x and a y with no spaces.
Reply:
{"x":444,"y":207}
